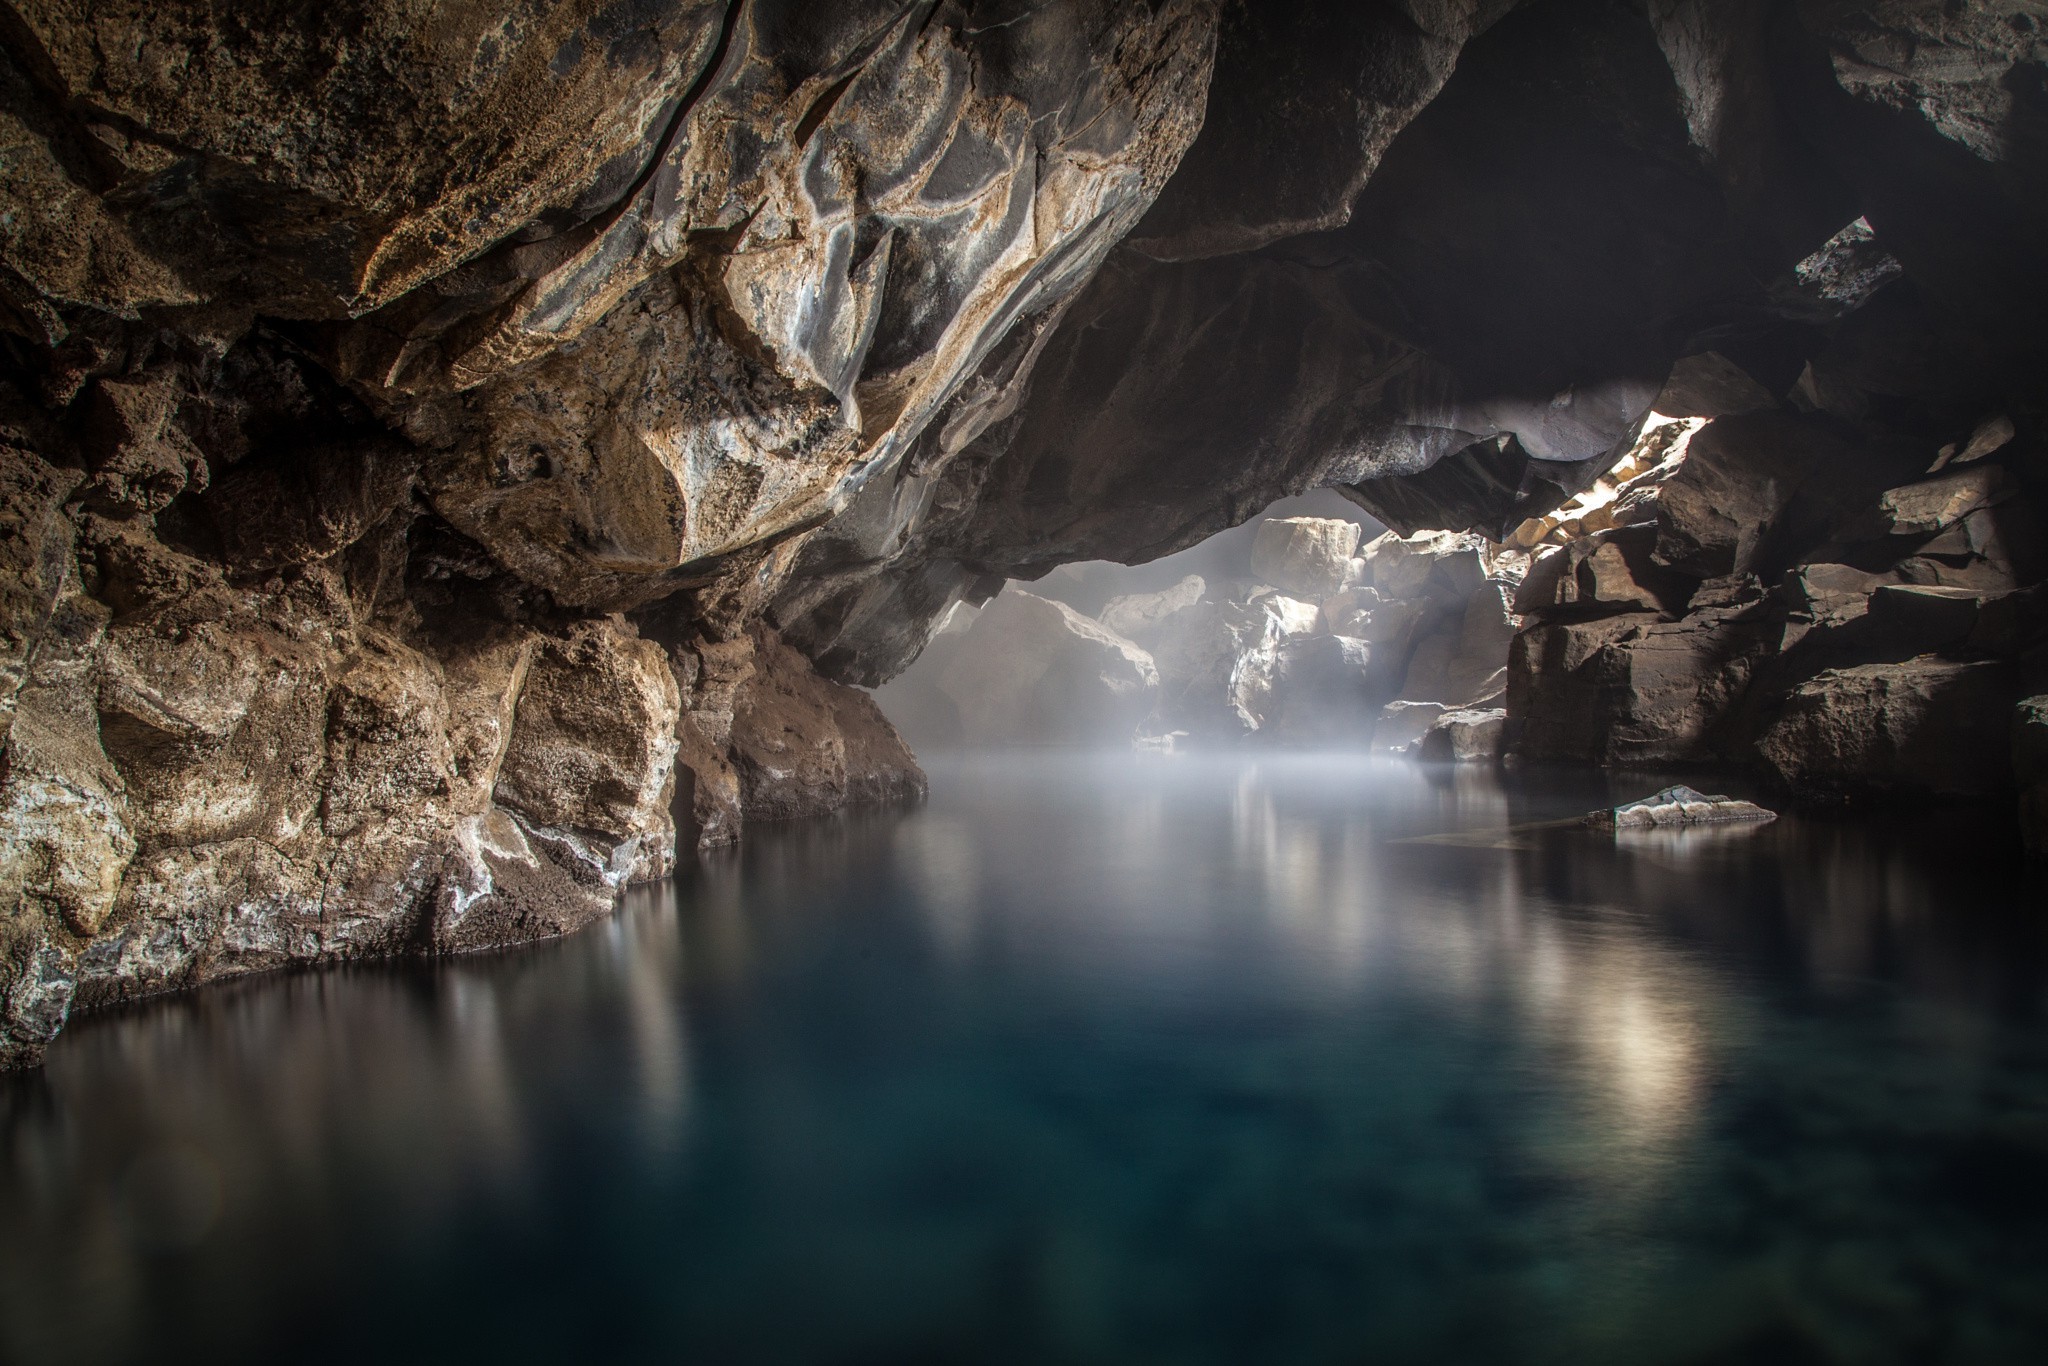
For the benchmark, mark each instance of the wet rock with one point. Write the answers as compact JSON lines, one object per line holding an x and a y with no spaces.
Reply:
{"x":1465,"y":736}
{"x":1307,"y":557}
{"x":1680,"y":806}
{"x":1925,"y":727}
{"x":805,"y":746}
{"x":1033,"y":671}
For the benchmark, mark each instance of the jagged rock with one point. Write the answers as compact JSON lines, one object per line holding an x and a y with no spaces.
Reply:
{"x":1606,"y":572}
{"x":1927,"y":726}
{"x":1711,"y":385}
{"x":1140,"y":616}
{"x":1677,"y":806}
{"x":1754,"y":485}
{"x":1466,"y":736}
{"x":1633,"y":688}
{"x":1033,"y":671}
{"x":1307,"y":557}
{"x":1937,"y":504}
{"x":803,"y":746}
{"x":1448,"y":566}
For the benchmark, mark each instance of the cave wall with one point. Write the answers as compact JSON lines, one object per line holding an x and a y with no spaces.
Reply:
{"x":443,"y":454}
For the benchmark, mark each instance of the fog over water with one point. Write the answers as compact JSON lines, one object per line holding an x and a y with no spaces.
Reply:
{"x":1105,"y":1058}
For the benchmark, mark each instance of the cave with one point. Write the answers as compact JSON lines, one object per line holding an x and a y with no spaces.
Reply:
{"x":1099,"y":680}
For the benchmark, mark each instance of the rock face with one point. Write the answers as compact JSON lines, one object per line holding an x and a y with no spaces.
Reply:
{"x":385,"y":405}
{"x":402,"y":432}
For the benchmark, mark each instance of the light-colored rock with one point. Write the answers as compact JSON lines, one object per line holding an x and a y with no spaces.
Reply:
{"x":1034,"y":671}
{"x":1464,"y":736}
{"x":1680,"y":806}
{"x":1139,"y":616}
{"x":1936,"y":504}
{"x":1306,"y":557}
{"x":1446,"y":565}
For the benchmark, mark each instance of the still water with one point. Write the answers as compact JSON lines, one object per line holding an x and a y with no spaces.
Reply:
{"x":1285,"y":1060}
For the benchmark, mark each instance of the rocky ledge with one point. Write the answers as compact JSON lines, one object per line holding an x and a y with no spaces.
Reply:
{"x":440,"y":461}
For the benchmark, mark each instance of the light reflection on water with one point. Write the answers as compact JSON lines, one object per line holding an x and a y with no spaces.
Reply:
{"x":1288,"y":1059}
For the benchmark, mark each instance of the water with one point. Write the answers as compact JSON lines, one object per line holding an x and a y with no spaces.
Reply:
{"x":1293,"y":1060}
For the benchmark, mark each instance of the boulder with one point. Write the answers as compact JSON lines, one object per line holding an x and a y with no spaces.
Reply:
{"x":1634,"y":688}
{"x":1927,"y":727}
{"x":1307,"y":557}
{"x":1034,"y":671}
{"x":1934,"y":505}
{"x":1140,"y":616}
{"x":1464,"y":736}
{"x":1444,"y":565}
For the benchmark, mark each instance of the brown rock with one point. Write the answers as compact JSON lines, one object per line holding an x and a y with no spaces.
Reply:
{"x":1928,"y":726}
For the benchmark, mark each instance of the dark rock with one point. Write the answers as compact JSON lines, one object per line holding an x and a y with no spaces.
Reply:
{"x":1925,"y":727}
{"x":2030,"y":770}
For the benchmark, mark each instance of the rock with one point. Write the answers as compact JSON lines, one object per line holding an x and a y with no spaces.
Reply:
{"x":1465,"y":736}
{"x":1919,"y":619}
{"x":1291,"y":616}
{"x":1401,"y":725}
{"x":1307,"y":557}
{"x":1323,"y":689}
{"x":1448,"y":566}
{"x":1753,"y":484}
{"x":1602,"y":573}
{"x":804,"y":746}
{"x":1936,"y":504}
{"x":1633,"y":688}
{"x":1926,"y":727}
{"x":1679,"y":806}
{"x":1139,"y":616}
{"x":1033,"y":671}
{"x":593,"y":746}
{"x":1711,"y":385}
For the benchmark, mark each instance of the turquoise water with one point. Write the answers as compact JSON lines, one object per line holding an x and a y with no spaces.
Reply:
{"x":1288,"y":1060}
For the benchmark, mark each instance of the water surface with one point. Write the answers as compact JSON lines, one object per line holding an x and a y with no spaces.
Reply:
{"x":1277,"y":1060}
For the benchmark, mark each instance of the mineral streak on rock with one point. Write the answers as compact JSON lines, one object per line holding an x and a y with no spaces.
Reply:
{"x":1677,"y":806}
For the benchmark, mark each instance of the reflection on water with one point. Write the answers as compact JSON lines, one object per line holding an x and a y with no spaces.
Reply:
{"x":1288,"y":1059}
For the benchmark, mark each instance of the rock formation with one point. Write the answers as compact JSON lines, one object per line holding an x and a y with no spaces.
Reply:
{"x":439,"y":459}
